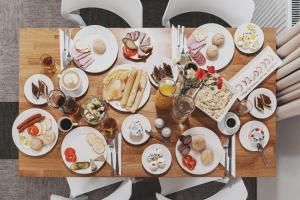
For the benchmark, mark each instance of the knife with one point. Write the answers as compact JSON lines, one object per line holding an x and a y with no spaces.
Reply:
{"x":117,"y":151}
{"x":230,"y":154}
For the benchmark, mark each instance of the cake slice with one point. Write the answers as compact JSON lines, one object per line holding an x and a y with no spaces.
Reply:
{"x":258,"y":103}
{"x":43,"y":88}
{"x":266,"y":100}
{"x":35,"y":90}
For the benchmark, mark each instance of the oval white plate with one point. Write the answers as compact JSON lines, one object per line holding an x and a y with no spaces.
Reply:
{"x":222,"y":126}
{"x":125,"y":129}
{"x":168,"y":61}
{"x":247,"y":128}
{"x":102,"y":62}
{"x":242,"y":29}
{"x":166,"y":155}
{"x":28,"y":90}
{"x":116,"y":104}
{"x":84,"y":152}
{"x":267,"y":111}
{"x":226,"y":51}
{"x":212,"y":142}
{"x":83,"y":88}
{"x":15,"y":133}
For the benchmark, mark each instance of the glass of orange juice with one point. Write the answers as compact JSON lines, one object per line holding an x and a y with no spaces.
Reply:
{"x":165,"y":93}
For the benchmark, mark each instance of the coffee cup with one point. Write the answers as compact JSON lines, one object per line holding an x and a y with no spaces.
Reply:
{"x":70,"y":80}
{"x":65,"y":124}
{"x":230,"y":124}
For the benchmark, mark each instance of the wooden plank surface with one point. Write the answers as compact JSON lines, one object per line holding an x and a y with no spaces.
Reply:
{"x":34,"y":42}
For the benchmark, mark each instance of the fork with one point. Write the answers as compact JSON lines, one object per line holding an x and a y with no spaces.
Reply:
{"x":69,"y":59}
{"x":262,"y":155}
{"x":225,"y":147}
{"x":182,"y":37}
{"x":111,"y":148}
{"x":150,"y":133}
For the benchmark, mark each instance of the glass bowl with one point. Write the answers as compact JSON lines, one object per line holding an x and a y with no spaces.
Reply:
{"x":93,"y":110}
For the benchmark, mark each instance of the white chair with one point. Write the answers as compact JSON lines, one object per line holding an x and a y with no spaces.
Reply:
{"x":234,"y":190}
{"x":234,"y":12}
{"x":130,"y":10}
{"x":288,"y":74}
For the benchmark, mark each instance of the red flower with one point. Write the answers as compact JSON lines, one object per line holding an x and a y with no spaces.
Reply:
{"x":219,"y":82}
{"x":200,"y":74}
{"x":211,"y":69}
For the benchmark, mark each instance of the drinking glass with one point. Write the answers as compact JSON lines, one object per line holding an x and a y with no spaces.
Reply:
{"x":244,"y":107}
{"x":183,"y":106}
{"x":165,"y":93}
{"x":71,"y":107}
{"x":48,"y":63}
{"x":109,"y":126}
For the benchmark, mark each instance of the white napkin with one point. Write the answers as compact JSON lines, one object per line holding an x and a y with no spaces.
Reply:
{"x":114,"y":155}
{"x":175,"y":57}
{"x":61,"y":46}
{"x":233,"y":158}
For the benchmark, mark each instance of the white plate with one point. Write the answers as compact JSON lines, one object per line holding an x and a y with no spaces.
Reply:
{"x":84,"y":152}
{"x":125,"y":129}
{"x":247,"y":128}
{"x":229,"y":131}
{"x":82,"y":89}
{"x":117,"y":104}
{"x":102,"y":62}
{"x":166,"y":155}
{"x":175,"y":70}
{"x":212,"y":142}
{"x":267,"y":111}
{"x":226,"y":51}
{"x":15,"y":133}
{"x":243,"y":29}
{"x":28,"y":89}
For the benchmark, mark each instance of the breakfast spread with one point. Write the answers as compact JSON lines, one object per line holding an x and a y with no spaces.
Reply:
{"x":162,"y":71}
{"x":255,"y":71}
{"x":93,"y":110}
{"x":125,"y":86}
{"x":137,"y":45}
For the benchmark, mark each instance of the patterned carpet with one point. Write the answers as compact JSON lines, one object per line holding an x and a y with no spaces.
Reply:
{"x":15,"y":14}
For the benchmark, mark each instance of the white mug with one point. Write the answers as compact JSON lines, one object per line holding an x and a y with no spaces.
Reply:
{"x":62,"y":82}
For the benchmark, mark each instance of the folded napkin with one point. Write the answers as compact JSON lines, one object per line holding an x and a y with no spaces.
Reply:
{"x":233,"y":158}
{"x":114,"y":155}
{"x":61,"y":47}
{"x":175,"y":51}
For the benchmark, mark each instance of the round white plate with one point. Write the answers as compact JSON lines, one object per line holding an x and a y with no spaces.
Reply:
{"x":247,"y":128}
{"x":226,"y":51}
{"x":212,"y":142}
{"x":166,"y":155}
{"x":116,"y":104}
{"x":175,"y":70}
{"x":229,"y":131}
{"x":125,"y":129}
{"x":28,"y":88}
{"x":84,"y":152}
{"x":267,"y":111}
{"x":15,"y":133}
{"x":102,"y":62}
{"x":243,"y":29}
{"x":82,"y":89}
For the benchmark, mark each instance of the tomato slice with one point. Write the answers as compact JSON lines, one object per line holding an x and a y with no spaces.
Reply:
{"x":71,"y":158}
{"x":189,"y":162}
{"x":129,"y":52}
{"x":70,"y":151}
{"x":33,"y":130}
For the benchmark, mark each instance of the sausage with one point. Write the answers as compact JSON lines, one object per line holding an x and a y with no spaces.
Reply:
{"x":28,"y":120}
{"x":31,"y":123}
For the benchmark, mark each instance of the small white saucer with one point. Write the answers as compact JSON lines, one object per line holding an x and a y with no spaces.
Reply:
{"x":83,"y":88}
{"x":226,"y":130}
{"x":28,"y":90}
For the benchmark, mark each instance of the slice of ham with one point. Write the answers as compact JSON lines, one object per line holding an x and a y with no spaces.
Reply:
{"x":82,"y":56}
{"x":145,"y":42}
{"x":88,"y":63}
{"x":198,"y":57}
{"x":193,"y":44}
{"x":141,"y":37}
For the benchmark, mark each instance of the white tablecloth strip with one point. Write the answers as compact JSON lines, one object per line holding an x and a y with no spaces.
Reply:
{"x":288,"y":35}
{"x":289,"y":97}
{"x":288,"y":110}
{"x":288,"y":80}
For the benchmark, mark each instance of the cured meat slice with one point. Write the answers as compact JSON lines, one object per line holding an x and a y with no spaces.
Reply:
{"x":198,"y":57}
{"x":145,"y":42}
{"x":141,"y":37}
{"x":193,"y":44}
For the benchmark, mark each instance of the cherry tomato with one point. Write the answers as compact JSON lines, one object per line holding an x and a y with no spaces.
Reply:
{"x":71,"y":158}
{"x":33,"y":130}
{"x":70,"y":151}
{"x":129,"y":52}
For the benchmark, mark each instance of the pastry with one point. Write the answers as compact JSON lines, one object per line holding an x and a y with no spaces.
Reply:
{"x":218,"y":39}
{"x":43,"y":88}
{"x":134,"y":89}
{"x":266,"y":100}
{"x":207,"y":157}
{"x":258,"y":103}
{"x":198,"y":143}
{"x":161,"y":72}
{"x":128,"y":86}
{"x":212,"y":52}
{"x":35,"y":90}
{"x":36,"y":144}
{"x":141,"y":90}
{"x":99,"y":46}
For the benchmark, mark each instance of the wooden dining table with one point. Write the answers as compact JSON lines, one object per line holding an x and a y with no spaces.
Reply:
{"x":33,"y":42}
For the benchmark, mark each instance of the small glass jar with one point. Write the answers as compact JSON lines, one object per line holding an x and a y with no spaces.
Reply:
{"x":165,"y":93}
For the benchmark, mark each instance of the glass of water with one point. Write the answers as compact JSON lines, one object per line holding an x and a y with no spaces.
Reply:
{"x":244,"y":107}
{"x":183,"y":106}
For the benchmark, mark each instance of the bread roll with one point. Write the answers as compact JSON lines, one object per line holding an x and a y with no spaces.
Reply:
{"x":198,"y":143}
{"x":212,"y":52}
{"x":134,"y":89}
{"x":99,"y":46}
{"x":36,"y":144}
{"x":218,"y":39}
{"x":128,"y":86}
{"x":207,"y":157}
{"x":140,"y":93}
